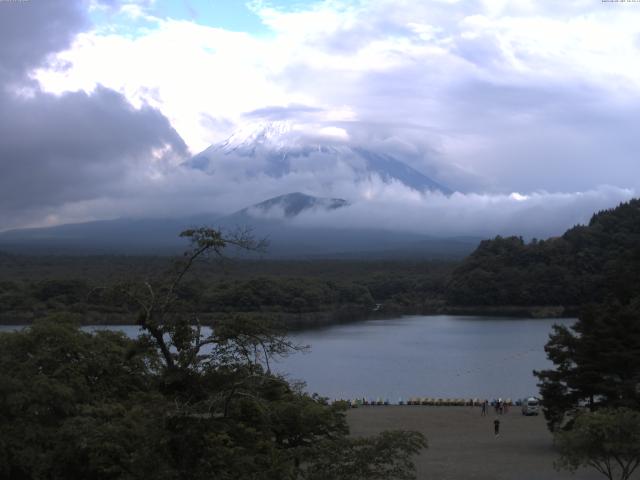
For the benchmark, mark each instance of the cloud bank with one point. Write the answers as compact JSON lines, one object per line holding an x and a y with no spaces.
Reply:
{"x":537,"y":215}
{"x":520,"y":95}
{"x":95,"y":117}
{"x":74,"y":147}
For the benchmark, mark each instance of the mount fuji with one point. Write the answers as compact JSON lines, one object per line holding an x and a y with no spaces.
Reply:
{"x":274,"y":152}
{"x":277,"y":149}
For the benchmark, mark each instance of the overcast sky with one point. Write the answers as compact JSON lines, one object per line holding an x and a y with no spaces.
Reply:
{"x":528,"y":109}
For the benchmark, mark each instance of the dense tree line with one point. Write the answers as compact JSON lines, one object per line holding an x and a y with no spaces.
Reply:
{"x":586,"y":264}
{"x":266,"y":287}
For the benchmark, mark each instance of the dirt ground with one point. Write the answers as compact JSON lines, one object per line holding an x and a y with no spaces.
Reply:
{"x":462,"y":444}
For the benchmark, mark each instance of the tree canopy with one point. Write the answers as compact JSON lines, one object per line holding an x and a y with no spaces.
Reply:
{"x":596,"y":363}
{"x":178,"y":402}
{"x":586,"y":264}
{"x":607,"y":440}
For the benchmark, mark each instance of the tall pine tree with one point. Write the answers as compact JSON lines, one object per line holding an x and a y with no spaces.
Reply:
{"x":597,"y":362}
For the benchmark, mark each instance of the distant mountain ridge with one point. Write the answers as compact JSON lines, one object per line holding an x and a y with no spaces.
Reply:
{"x":280,"y":148}
{"x":121,"y":236}
{"x":293,"y":204}
{"x":270,"y":219}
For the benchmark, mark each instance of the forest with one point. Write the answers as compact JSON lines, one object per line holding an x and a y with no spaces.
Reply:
{"x":588,"y":263}
{"x":505,"y":275}
{"x":297,"y":292}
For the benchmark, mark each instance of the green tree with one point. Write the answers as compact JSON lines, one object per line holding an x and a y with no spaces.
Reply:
{"x":597,"y":363}
{"x":586,"y":264}
{"x":179,"y":402}
{"x":63,"y":394}
{"x":607,"y":440}
{"x":389,"y":455}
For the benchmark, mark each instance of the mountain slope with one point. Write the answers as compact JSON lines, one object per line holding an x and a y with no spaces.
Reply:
{"x":293,"y":204}
{"x":273,"y":219}
{"x":123,"y":235}
{"x":278,"y":149}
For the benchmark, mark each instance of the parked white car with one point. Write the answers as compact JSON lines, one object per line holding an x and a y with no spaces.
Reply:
{"x":531,"y":406}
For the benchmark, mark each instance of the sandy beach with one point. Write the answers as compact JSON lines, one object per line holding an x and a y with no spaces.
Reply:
{"x":462,"y":444}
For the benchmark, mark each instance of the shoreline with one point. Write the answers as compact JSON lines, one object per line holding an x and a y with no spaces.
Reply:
{"x":322,"y":319}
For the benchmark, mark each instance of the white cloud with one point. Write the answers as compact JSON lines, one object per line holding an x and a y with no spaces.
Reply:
{"x":487,"y":96}
{"x":185,"y":70}
{"x":373,"y":203}
{"x":332,"y":55}
{"x":539,"y":214}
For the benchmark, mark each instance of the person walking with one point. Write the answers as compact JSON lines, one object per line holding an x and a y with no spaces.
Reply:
{"x":496,"y":427}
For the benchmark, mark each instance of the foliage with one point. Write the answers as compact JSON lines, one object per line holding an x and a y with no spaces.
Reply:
{"x":607,"y":440}
{"x":387,"y":456}
{"x":179,"y":402}
{"x":54,"y":381}
{"x":597,"y":362}
{"x":292,"y":291}
{"x":586,"y":264}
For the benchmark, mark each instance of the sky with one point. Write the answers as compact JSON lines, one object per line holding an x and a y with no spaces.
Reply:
{"x":527,"y":109}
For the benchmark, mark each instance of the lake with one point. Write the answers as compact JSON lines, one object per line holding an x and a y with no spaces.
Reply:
{"x":430,"y":356}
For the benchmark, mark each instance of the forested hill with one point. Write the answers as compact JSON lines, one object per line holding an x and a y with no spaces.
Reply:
{"x":586,"y":264}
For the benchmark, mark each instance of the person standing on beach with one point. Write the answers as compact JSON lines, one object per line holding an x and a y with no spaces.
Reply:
{"x":496,"y":427}
{"x":483,"y":413}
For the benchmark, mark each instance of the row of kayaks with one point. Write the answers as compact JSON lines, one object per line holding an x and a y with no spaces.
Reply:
{"x":359,"y":402}
{"x":458,"y":402}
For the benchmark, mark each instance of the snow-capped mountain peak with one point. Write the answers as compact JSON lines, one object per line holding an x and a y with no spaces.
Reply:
{"x":276,"y":134}
{"x":280,"y":148}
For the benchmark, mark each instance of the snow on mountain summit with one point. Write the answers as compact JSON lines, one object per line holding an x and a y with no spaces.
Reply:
{"x":274,"y":134}
{"x":277,"y":135}
{"x":280,"y":148}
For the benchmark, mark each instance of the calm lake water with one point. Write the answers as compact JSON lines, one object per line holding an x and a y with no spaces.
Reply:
{"x":432,"y":356}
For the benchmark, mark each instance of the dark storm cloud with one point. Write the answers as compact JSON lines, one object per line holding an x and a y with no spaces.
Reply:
{"x":29,"y":31}
{"x":68,"y":148}
{"x":74,"y":147}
